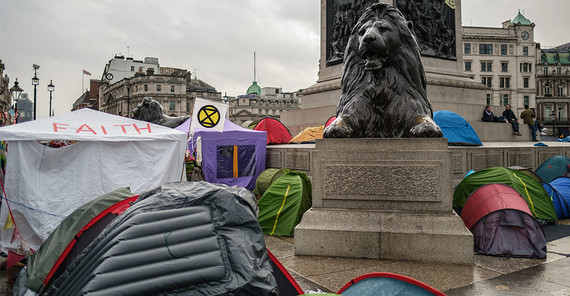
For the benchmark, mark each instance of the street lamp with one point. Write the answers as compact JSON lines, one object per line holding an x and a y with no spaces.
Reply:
{"x":51,"y":88}
{"x":16,"y":92}
{"x":35,"y":82}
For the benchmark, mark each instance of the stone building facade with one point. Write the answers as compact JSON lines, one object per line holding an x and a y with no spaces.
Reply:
{"x":261,"y":102}
{"x":553,"y":85}
{"x":504,"y":61}
{"x":176,"y":92}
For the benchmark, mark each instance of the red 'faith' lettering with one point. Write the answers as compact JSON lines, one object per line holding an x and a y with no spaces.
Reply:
{"x":123,"y":127}
{"x":104,"y":130}
{"x":85,"y":128}
{"x":56,"y":128}
{"x":138,"y":129}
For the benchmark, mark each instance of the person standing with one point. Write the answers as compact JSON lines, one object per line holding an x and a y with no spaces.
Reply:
{"x":512,"y":119}
{"x":528,"y":118}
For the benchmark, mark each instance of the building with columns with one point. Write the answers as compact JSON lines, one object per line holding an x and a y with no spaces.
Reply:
{"x":260,"y":102}
{"x":174,"y":88}
{"x":553,"y":85}
{"x":503,"y":59}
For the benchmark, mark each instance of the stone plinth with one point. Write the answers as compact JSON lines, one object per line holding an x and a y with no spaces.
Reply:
{"x":385,"y":199}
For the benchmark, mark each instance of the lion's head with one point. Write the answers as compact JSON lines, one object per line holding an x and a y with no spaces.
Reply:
{"x":152,"y":111}
{"x":382,"y":38}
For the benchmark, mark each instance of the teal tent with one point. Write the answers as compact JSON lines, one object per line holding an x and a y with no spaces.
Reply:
{"x":553,"y":167}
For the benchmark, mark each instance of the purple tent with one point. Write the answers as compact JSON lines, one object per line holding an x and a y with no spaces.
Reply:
{"x":234,"y":157}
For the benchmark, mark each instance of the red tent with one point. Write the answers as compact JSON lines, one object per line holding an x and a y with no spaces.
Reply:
{"x":329,"y":121}
{"x":277,"y":133}
{"x":502,"y":224}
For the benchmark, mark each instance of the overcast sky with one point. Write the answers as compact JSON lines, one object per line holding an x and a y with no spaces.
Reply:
{"x":215,"y":39}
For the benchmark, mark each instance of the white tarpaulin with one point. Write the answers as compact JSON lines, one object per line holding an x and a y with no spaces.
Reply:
{"x":44,"y":185}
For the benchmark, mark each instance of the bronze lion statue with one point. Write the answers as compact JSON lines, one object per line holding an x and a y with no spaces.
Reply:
{"x":383,"y":82}
{"x":151,"y":111}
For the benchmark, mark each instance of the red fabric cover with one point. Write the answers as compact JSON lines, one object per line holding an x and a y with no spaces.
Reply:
{"x":392,"y":276}
{"x":330,"y":120}
{"x":489,"y":198}
{"x":277,"y":133}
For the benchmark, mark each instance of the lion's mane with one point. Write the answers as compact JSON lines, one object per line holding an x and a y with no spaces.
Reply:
{"x":151,"y":111}
{"x":387,"y":100}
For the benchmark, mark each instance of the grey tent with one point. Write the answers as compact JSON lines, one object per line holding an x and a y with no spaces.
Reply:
{"x":186,"y":238}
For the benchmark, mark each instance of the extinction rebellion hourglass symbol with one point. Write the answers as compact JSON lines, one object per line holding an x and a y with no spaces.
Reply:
{"x":208,"y":116}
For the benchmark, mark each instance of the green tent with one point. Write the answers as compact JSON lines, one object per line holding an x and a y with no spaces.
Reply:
{"x":531,"y":190}
{"x":553,"y":167}
{"x":283,"y":204}
{"x":42,"y":265}
{"x":266,"y":178}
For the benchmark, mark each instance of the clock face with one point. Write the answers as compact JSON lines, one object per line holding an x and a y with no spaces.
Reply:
{"x":524,"y":35}
{"x":109,"y":76}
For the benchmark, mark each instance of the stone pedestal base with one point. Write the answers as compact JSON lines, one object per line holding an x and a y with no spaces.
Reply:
{"x":384,"y":235}
{"x":383,"y":198}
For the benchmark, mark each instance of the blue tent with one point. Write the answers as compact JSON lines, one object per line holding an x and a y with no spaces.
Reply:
{"x":456,"y":129}
{"x":559,"y":191}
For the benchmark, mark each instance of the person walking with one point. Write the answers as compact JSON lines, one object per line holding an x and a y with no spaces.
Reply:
{"x":528,"y":118}
{"x":512,"y":119}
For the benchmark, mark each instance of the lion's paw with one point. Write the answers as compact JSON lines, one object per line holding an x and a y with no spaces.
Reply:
{"x":337,"y":129}
{"x":425,"y":127}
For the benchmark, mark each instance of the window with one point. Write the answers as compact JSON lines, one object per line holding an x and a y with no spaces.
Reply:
{"x":158,"y":88}
{"x":187,"y":106}
{"x":468,"y":66}
{"x":504,"y":67}
{"x":132,"y":68}
{"x":145,"y":87}
{"x":548,"y":113}
{"x":526,"y":67}
{"x":503,"y":49}
{"x":560,"y":90}
{"x":485,"y":48}
{"x":487,"y":80}
{"x":525,"y":100}
{"x":486,"y":66}
{"x":489,"y":99}
{"x":504,"y":99}
{"x":547,"y":90}
{"x":172,"y":106}
{"x":467,"y":48}
{"x":525,"y":82}
{"x":504,"y":82}
{"x":562,"y":113}
{"x":525,"y":50}
{"x":558,"y":70}
{"x":172,"y":88}
{"x":545,"y":70}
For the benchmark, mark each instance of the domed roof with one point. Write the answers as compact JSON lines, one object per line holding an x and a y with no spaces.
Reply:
{"x":254,"y":89}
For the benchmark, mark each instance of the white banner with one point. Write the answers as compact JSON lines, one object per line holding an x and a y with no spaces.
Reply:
{"x":208,"y":114}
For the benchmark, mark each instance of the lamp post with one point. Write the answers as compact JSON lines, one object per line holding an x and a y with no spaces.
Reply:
{"x":51,"y":88}
{"x":16,"y":92}
{"x":35,"y":82}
